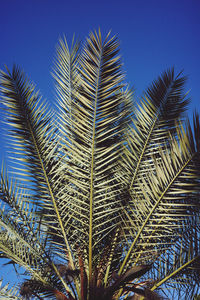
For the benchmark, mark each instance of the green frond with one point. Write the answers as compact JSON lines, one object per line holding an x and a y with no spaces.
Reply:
{"x":162,"y":104}
{"x":66,"y":79}
{"x":163,"y":197}
{"x":30,"y":128}
{"x":97,"y":112}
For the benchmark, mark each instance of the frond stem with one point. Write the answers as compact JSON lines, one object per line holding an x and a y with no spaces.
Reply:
{"x":149,"y":134}
{"x":56,"y":210}
{"x":174,"y":273}
{"x":143,"y":151}
{"x":92,"y":173}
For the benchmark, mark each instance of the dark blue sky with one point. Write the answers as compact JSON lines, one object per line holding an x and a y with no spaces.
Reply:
{"x":154,"y":35}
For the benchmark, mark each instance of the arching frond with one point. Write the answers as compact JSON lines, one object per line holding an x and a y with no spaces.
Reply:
{"x":96,"y":125}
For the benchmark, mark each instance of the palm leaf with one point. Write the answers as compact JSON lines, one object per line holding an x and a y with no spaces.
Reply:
{"x":96,"y":121}
{"x":9,"y":293}
{"x":159,"y":203}
{"x":162,"y":104}
{"x":33,"y":137}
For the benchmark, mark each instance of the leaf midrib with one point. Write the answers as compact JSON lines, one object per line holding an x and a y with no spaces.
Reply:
{"x":92,"y":170}
{"x":149,"y":134}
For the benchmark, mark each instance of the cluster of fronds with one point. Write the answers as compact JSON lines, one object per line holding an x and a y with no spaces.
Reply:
{"x":104,"y":200}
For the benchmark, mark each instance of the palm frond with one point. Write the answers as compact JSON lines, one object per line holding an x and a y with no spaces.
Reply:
{"x":164,"y":196}
{"x":163,"y":104}
{"x":178,"y":267}
{"x":9,"y":293}
{"x":96,"y":120}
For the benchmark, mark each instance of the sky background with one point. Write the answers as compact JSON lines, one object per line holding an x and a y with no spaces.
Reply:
{"x":154,"y":35}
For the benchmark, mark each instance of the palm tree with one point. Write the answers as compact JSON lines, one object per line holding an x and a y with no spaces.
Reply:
{"x":104,"y":198}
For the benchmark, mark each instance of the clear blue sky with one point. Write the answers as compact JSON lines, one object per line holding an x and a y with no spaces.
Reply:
{"x":154,"y":35}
